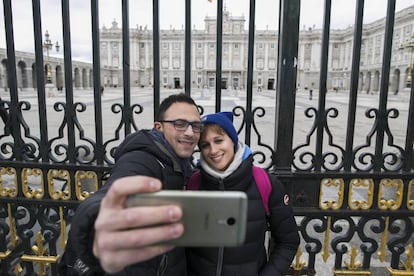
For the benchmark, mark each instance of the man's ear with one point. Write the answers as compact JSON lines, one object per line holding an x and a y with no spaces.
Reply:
{"x":157,"y":126}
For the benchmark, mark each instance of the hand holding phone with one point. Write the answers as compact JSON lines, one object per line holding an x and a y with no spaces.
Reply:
{"x":210,"y":218}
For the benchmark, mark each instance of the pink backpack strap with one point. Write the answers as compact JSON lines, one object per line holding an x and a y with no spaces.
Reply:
{"x":263,"y":185}
{"x":194,"y":181}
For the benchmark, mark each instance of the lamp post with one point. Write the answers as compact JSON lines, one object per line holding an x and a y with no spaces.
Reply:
{"x":48,"y":46}
{"x":409,"y":44}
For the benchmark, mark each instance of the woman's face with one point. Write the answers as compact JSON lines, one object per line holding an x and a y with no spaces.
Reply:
{"x":216,"y":147}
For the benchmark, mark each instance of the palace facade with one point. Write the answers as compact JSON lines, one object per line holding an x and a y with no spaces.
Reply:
{"x":234,"y":57}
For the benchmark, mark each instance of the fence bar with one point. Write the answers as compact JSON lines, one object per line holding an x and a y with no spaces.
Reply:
{"x":12,"y":82}
{"x":99,"y":149}
{"x":286,"y":83}
{"x":378,"y":162}
{"x":69,"y":113}
{"x":249,"y":85}
{"x":40,"y":78}
{"x":409,"y":141}
{"x":187,"y":57}
{"x":156,"y":54}
{"x":356,"y":57}
{"x":219,"y":53}
{"x":127,"y":114}
{"x":321,"y":114}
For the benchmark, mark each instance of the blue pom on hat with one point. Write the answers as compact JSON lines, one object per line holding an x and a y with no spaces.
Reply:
{"x":225,"y":121}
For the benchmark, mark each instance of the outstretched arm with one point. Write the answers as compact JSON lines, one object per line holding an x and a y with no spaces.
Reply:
{"x":124,"y":236}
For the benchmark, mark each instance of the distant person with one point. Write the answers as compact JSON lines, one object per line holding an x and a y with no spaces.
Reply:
{"x":227,"y":165}
{"x":102,"y":88}
{"x":311,"y":91}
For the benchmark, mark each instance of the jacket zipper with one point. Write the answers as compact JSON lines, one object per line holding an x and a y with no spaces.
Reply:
{"x":220,"y":261}
{"x":163,"y":265}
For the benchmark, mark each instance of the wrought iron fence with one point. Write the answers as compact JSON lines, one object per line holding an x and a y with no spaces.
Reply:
{"x":352,"y":203}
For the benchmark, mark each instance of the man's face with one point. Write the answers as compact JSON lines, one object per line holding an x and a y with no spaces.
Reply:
{"x":182,"y":141}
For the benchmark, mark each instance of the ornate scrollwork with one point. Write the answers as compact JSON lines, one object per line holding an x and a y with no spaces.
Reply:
{"x":25,"y":147}
{"x":367,"y":227}
{"x":303,"y":160}
{"x":330,"y":161}
{"x":402,"y":229}
{"x":33,"y":186}
{"x":239,"y":111}
{"x":29,"y":150}
{"x":135,"y":109}
{"x":86,"y":184}
{"x":329,"y":188}
{"x":410,"y":196}
{"x":8,"y":182}
{"x":59,"y":184}
{"x":58,"y":150}
{"x":115,"y":108}
{"x":390,"y":194}
{"x":313,"y":244}
{"x":361,"y":194}
{"x":391,"y":159}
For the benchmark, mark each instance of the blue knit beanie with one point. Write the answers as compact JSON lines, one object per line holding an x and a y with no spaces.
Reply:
{"x":225,"y":121}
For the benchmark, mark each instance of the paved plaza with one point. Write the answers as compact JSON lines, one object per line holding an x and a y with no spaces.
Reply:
{"x":230,"y":99}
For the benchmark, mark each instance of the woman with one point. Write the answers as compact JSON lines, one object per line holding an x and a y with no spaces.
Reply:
{"x":226,"y":164}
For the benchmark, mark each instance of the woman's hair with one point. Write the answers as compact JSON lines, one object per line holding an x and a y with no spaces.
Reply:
{"x":213,"y":127}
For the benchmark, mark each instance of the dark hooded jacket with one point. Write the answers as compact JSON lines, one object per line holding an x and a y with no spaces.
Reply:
{"x":139,"y":154}
{"x":250,"y":258}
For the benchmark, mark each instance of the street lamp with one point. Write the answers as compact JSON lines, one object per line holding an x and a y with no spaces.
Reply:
{"x":409,"y":44}
{"x":48,"y":46}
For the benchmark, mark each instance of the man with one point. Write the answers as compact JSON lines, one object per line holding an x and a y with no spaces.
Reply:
{"x":107,"y":236}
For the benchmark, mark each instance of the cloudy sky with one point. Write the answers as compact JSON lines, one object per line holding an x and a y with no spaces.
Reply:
{"x":171,"y":16}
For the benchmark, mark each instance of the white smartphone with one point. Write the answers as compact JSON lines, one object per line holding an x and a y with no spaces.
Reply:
{"x":210,"y":218}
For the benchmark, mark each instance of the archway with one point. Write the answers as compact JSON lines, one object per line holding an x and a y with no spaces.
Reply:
{"x":21,"y":75}
{"x":368,"y":82}
{"x":375,"y":85}
{"x":84,"y":78}
{"x":395,"y":81}
{"x":59,"y":77}
{"x":77,"y":78}
{"x":408,"y":81}
{"x":361,"y":84}
{"x":4,"y":76}
{"x":34,"y":75}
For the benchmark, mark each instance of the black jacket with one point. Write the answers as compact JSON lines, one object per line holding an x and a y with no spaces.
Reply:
{"x":250,"y":258}
{"x":138,"y":154}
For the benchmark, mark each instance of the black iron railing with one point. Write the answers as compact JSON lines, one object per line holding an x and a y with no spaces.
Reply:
{"x":354,"y":204}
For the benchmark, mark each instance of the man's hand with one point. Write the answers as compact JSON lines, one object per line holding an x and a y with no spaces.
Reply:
{"x":124,"y":236}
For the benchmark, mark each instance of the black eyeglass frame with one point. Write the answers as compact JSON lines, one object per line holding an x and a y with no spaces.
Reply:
{"x":196,"y":126}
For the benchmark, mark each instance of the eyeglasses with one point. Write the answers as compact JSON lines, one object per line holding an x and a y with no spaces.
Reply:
{"x":182,"y":125}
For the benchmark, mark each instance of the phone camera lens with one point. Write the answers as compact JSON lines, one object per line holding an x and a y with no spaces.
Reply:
{"x":231,"y":221}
